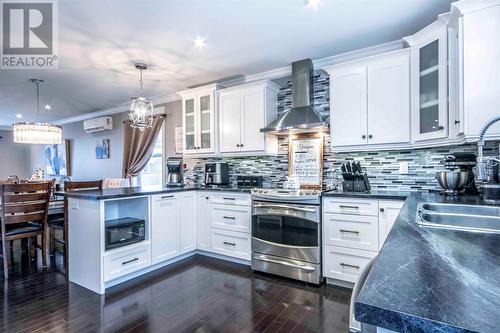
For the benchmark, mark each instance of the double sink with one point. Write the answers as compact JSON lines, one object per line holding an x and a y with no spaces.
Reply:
{"x":471,"y":218}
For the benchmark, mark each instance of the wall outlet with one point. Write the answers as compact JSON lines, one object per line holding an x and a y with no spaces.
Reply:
{"x":74,"y":205}
{"x":403,"y":168}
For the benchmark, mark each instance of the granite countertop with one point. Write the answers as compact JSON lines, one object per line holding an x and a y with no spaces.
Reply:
{"x":394,"y":195}
{"x":114,"y":193}
{"x":431,"y":280}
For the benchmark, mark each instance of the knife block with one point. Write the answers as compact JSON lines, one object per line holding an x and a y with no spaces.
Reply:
{"x":360,"y":185}
{"x":348,"y":185}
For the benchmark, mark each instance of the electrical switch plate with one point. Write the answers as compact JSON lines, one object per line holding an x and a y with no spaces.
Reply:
{"x":403,"y":167}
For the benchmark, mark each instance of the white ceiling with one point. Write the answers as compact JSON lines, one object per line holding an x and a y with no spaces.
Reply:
{"x":100,"y":40}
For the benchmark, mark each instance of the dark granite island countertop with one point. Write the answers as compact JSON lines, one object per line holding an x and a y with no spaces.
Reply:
{"x":114,"y":193}
{"x":431,"y":280}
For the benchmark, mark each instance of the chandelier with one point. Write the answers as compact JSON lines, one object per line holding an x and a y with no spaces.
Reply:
{"x":36,"y":132}
{"x":141,"y":109}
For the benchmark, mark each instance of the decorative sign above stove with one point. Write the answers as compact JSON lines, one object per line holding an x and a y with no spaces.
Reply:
{"x":305,"y":159}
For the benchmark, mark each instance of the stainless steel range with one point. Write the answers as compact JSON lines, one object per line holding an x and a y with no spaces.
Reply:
{"x":286,"y":233}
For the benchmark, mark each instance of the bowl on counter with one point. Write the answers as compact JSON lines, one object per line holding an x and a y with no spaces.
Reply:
{"x":452,"y":181}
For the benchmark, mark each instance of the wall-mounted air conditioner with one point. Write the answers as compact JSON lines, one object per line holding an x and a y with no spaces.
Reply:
{"x":98,"y":124}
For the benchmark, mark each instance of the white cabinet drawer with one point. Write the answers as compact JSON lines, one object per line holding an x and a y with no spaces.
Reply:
{"x":350,"y":206}
{"x":231,"y":217}
{"x":125,"y":262}
{"x":358,"y":232}
{"x":344,"y":264}
{"x":230,"y":243}
{"x":231,"y":199}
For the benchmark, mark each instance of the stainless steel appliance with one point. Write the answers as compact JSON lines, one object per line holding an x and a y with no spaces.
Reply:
{"x":302,"y":117}
{"x":490,"y":192}
{"x":459,"y":177}
{"x":124,"y":231}
{"x":286,"y":233}
{"x":174,"y":172}
{"x":216,"y":173}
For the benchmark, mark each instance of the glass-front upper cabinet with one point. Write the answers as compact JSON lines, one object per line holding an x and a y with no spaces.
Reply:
{"x":429,"y":82}
{"x":198,"y":120}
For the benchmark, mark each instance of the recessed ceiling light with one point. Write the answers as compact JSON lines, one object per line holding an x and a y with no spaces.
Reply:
{"x":313,"y":4}
{"x":47,"y":107}
{"x":199,"y":42}
{"x":19,"y":116}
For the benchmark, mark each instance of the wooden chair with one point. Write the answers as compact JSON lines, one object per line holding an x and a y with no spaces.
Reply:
{"x":60,"y":221}
{"x":24,"y":215}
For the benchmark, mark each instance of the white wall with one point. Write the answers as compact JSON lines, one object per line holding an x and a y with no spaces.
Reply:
{"x":14,"y":157}
{"x":83,"y":163}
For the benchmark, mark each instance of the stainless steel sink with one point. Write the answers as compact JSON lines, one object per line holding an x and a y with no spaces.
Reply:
{"x":470,"y":218}
{"x":461,"y":209}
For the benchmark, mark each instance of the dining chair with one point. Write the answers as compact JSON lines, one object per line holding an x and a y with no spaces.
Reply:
{"x":60,"y":221}
{"x":24,"y":215}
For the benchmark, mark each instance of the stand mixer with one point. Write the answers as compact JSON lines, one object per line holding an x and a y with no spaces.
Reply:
{"x":459,"y":177}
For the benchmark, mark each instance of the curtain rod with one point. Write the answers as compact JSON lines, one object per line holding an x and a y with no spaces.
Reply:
{"x":154,"y":116}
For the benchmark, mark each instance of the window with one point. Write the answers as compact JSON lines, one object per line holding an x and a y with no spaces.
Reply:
{"x":152,"y":174}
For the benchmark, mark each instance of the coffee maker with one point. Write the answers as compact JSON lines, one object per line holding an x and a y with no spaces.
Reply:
{"x":216,"y":173}
{"x":174,"y":171}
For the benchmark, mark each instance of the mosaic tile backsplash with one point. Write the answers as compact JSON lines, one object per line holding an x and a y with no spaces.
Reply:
{"x":382,"y":167}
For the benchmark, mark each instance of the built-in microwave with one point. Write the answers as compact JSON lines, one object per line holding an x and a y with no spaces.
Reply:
{"x":124,"y":231}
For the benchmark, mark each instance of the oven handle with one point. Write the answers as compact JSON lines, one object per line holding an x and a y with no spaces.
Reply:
{"x":304,"y":268}
{"x":300,"y":209}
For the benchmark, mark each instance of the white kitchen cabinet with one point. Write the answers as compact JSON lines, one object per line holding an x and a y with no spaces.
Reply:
{"x":429,"y":78}
{"x":348,"y":112}
{"x":199,"y":116}
{"x":388,"y":212}
{"x":243,"y":111}
{"x":165,"y":228}
{"x":389,"y":99}
{"x":476,"y":25}
{"x":203,"y":221}
{"x":187,"y":220}
{"x":370,"y":101}
{"x":353,"y":232}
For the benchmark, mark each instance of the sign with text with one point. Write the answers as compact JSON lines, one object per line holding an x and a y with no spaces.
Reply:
{"x":305,"y":159}
{"x":29,"y":34}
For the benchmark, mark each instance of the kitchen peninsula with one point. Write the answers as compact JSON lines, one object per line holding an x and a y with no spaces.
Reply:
{"x":168,"y":224}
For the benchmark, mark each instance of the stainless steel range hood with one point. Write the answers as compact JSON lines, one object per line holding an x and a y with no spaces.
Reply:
{"x":302,"y":117}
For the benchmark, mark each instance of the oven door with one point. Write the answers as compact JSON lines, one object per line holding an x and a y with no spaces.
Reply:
{"x":124,"y":234}
{"x":286,"y":230}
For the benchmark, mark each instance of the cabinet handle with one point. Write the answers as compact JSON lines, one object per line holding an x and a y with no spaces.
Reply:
{"x":370,"y":136}
{"x":347,"y":265}
{"x":227,"y":243}
{"x":457,"y":122}
{"x":229,"y":217}
{"x":237,"y":145}
{"x":349,"y":231}
{"x":228,"y":198}
{"x":129,"y":261}
{"x":241,"y":145}
{"x":363,"y":136}
{"x":347,"y":206}
{"x":440,"y":128}
{"x":167,"y":196}
{"x":382,"y":209}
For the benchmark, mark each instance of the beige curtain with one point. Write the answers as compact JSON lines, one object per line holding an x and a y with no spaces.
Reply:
{"x":139,"y":146}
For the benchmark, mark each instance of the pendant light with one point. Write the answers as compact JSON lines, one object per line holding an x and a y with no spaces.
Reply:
{"x":37,"y":132}
{"x":141,"y":109}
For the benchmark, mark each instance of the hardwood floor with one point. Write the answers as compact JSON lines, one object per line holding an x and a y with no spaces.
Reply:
{"x":199,"y":294}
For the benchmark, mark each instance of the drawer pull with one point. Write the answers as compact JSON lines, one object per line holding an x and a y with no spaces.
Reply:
{"x":227,"y":243}
{"x":347,"y":265}
{"x":306,"y":268}
{"x":229,"y":217}
{"x":349,"y":231}
{"x":129,"y":261}
{"x":382,"y":210}
{"x":229,"y":199}
{"x":167,"y":196}
{"x":347,"y":206}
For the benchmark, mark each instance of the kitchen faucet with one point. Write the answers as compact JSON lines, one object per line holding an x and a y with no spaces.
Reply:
{"x":481,"y":160}
{"x":15,"y":178}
